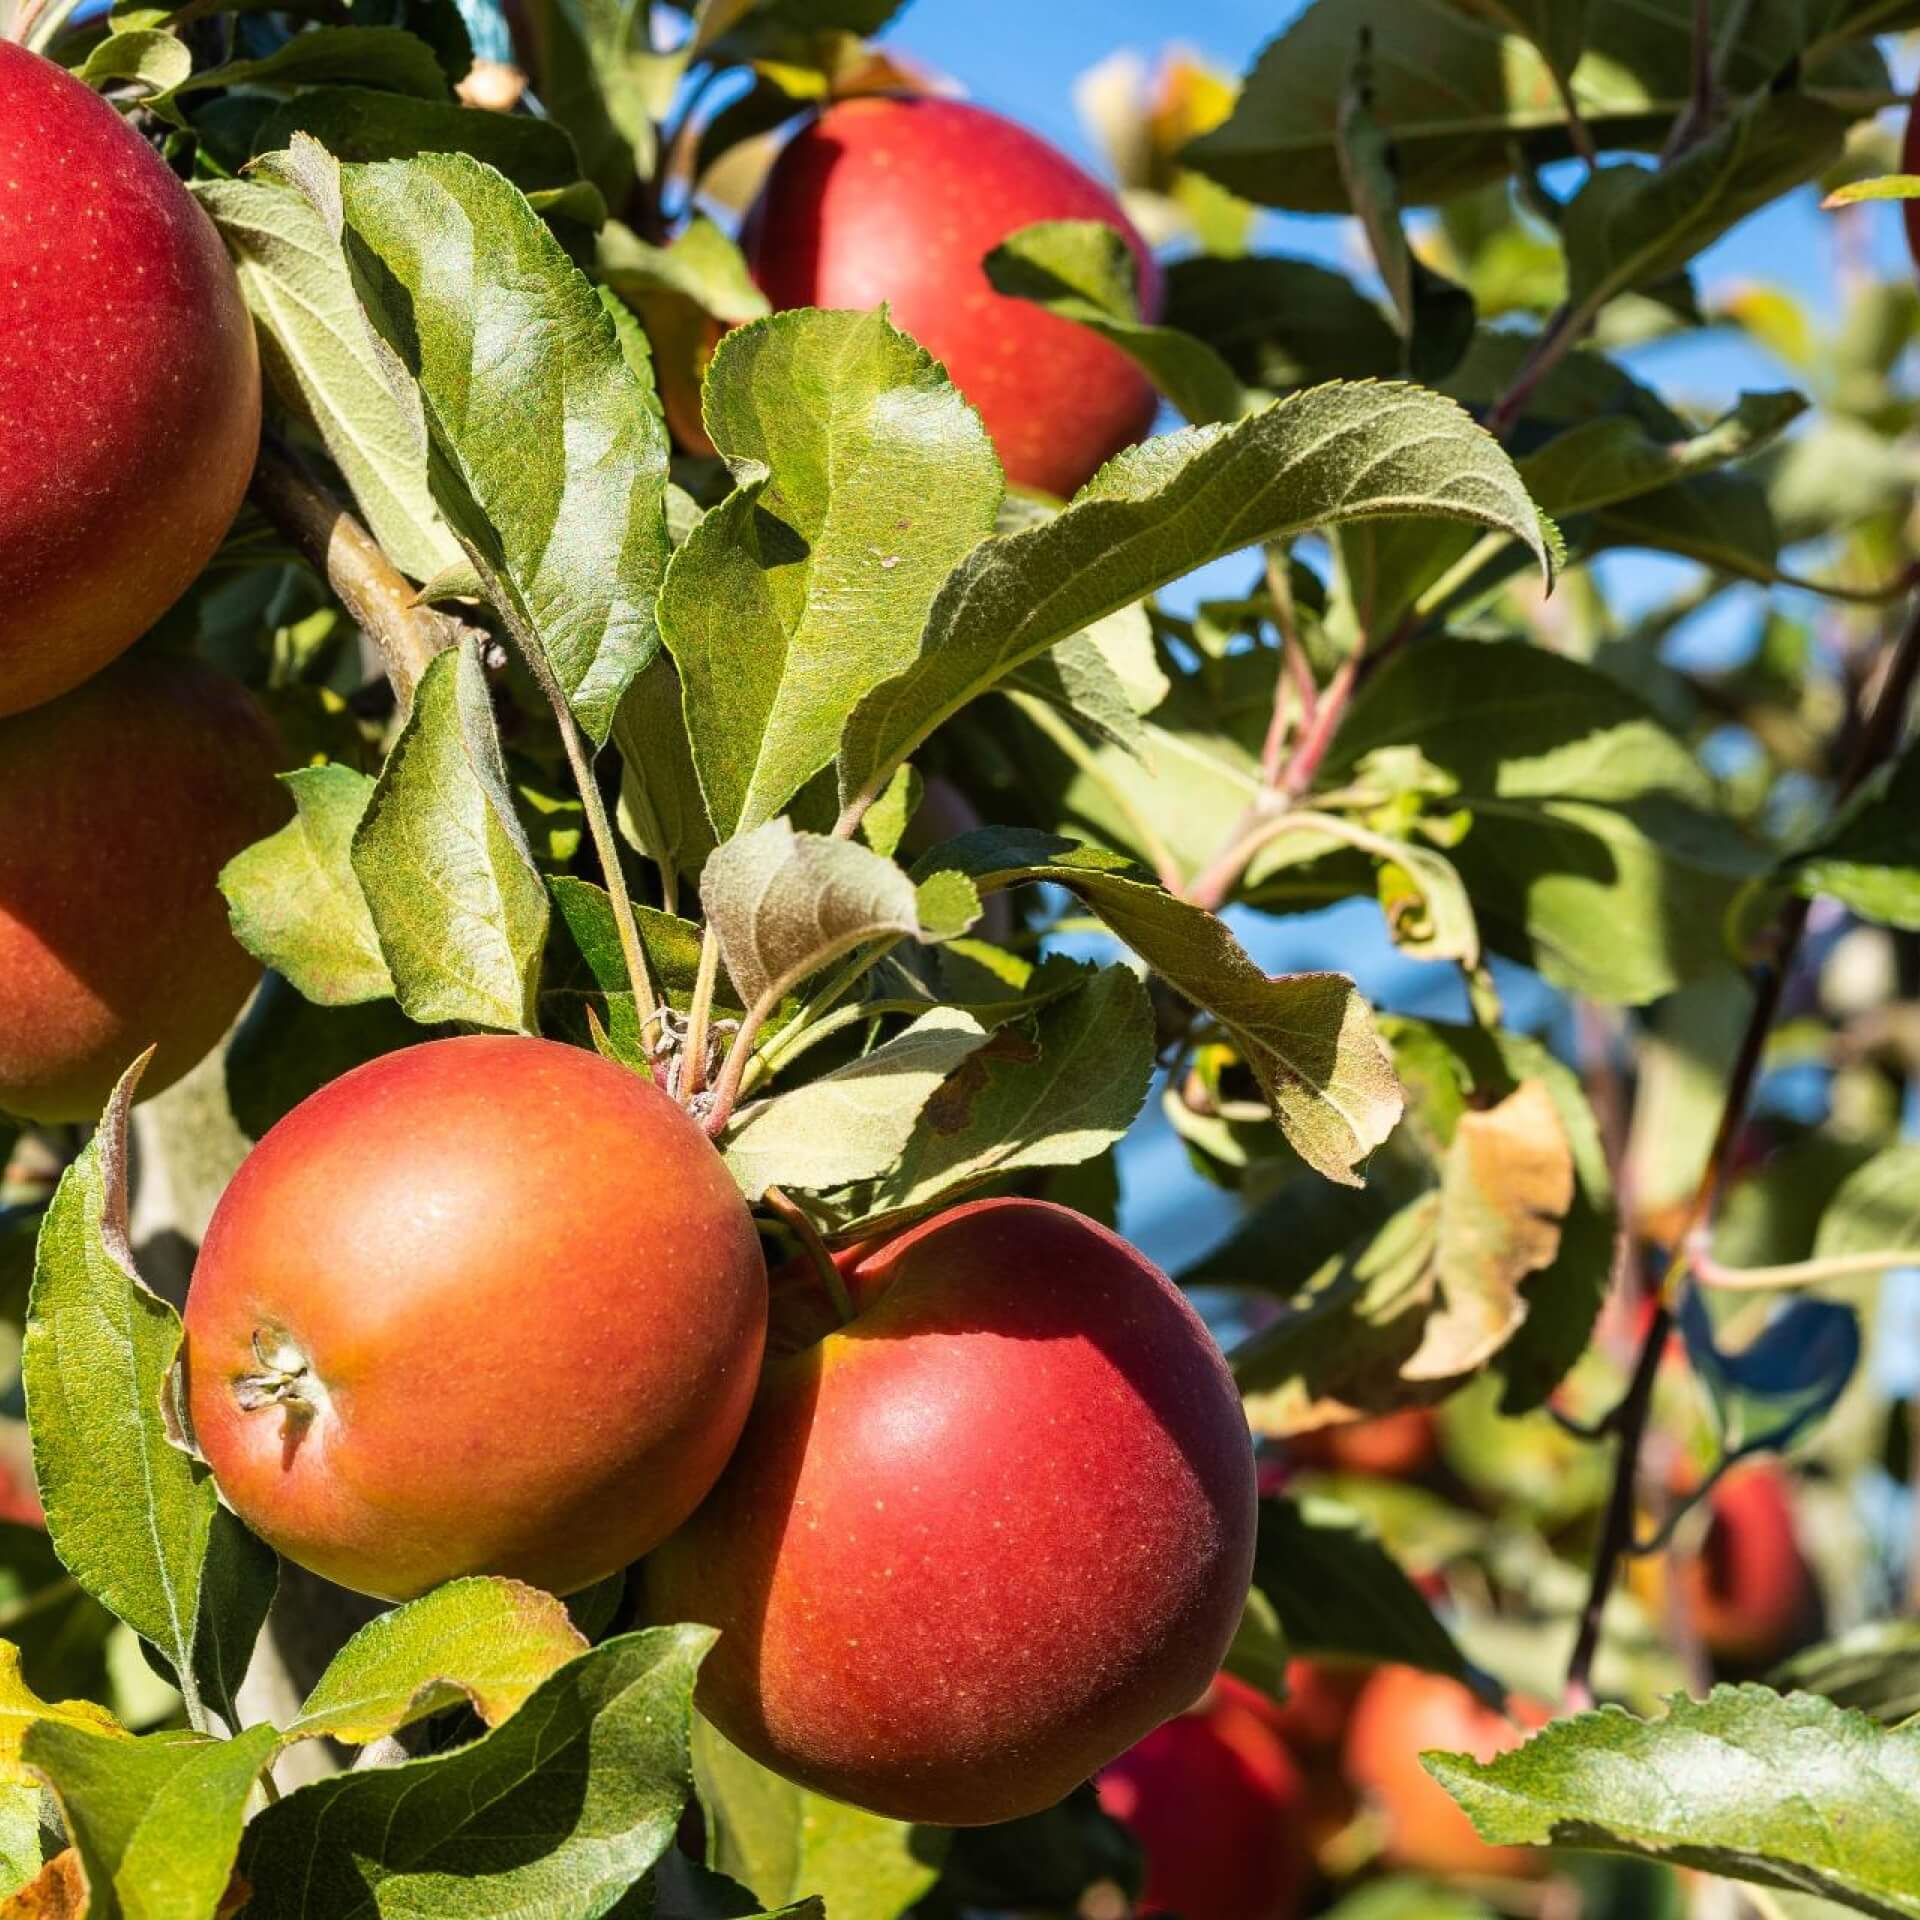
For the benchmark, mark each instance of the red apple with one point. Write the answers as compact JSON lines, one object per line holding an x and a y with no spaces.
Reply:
{"x":1392,"y":1446}
{"x":485,"y":1305}
{"x":899,"y":200}
{"x":978,"y":1542}
{"x":1219,"y":1809}
{"x":1909,"y":163}
{"x":119,"y":805}
{"x":1403,"y":1713}
{"x":129,"y":384}
{"x":1750,"y":1591}
{"x":1319,"y":1703}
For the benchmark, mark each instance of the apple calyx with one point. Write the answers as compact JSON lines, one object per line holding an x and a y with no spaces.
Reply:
{"x":285,"y":1378}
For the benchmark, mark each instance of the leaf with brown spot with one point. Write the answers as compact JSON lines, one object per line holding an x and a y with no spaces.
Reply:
{"x":57,"y":1892}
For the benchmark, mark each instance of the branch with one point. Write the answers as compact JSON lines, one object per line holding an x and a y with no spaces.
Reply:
{"x":377,"y":596}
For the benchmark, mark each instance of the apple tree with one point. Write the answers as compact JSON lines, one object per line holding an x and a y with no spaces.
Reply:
{"x":682,"y":721}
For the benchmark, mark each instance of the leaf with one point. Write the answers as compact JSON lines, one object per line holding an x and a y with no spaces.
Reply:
{"x":486,"y":1642}
{"x":1874,"y":1669}
{"x":560,"y":1809}
{"x":132,"y":1517}
{"x":21,"y":1709}
{"x":1877,"y":1208}
{"x":155,"y":61}
{"x":458,"y":905}
{"x":1308,"y":1037}
{"x":1050,"y":1091}
{"x":672,"y":948}
{"x":1889,"y":186}
{"x":781,"y":1841}
{"x":1159,"y":510}
{"x":546,"y":459}
{"x":783,"y":904}
{"x":854,"y":1123}
{"x":1591,"y":823}
{"x":1084,"y":270}
{"x":1338,"y":1591}
{"x":371,"y":56}
{"x":1789,"y":1792}
{"x":1280,"y":323}
{"x":315,"y":351}
{"x":1557,"y":27}
{"x":295,"y":903}
{"x":864,"y":480}
{"x":699,"y":264}
{"x":156,"y":1822}
{"x":1869,"y":859}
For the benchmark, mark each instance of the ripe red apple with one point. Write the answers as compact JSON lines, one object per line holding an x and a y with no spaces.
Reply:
{"x":900,"y":199}
{"x":1403,"y":1713}
{"x":1220,"y":1810}
{"x":1392,"y":1446}
{"x":119,"y":805}
{"x":1750,"y":1591}
{"x":978,"y":1542}
{"x":485,"y":1305}
{"x":1319,"y":1703}
{"x":129,"y":384}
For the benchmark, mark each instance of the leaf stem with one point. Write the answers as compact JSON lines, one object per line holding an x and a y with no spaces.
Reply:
{"x":693,"y":1072}
{"x":816,"y":1249}
{"x":726,"y":1090}
{"x":1799,"y":1273}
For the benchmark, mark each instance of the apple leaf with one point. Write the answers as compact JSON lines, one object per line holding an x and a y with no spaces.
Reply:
{"x":1873,"y":1669}
{"x":149,"y":58}
{"x":1786,"y":1791}
{"x":1309,"y":1038}
{"x":662,"y":811}
{"x":54,"y":1889}
{"x":1281,"y":323}
{"x":133,"y":1518}
{"x":781,"y":1842}
{"x":458,"y":905}
{"x":21,"y":1709}
{"x":1338,"y":1591}
{"x":315,"y":351}
{"x":864,"y":477}
{"x":854,"y":1123}
{"x":1558,"y":28}
{"x":1320,"y":458}
{"x":783,"y":904}
{"x":295,"y":901}
{"x":561,"y":1808}
{"x":1083,"y":270}
{"x":1876,"y":1208}
{"x":700,"y":264}
{"x":487,"y":1642}
{"x":1869,"y":858}
{"x":545,"y":457}
{"x":1050,"y":1089}
{"x":156,"y":1821}
{"x":386,"y":57}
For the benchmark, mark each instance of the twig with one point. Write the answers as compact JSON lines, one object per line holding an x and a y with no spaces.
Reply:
{"x":1799,"y":1273}
{"x":816,"y":1249}
{"x":375,"y":594}
{"x":1697,"y":116}
{"x":1879,"y":740}
{"x":1551,"y":345}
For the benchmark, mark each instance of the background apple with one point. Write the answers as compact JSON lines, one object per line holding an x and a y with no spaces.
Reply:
{"x":982,"y":1539}
{"x":129,"y":384}
{"x":900,"y":200}
{"x":1749,"y":1589}
{"x":119,"y":805}
{"x":1392,"y":1446}
{"x":1219,"y":1808}
{"x":512,"y":1306}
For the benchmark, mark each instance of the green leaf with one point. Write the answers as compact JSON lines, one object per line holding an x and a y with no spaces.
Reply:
{"x":154,"y":60}
{"x":1083,"y":270}
{"x":1876,"y":1208}
{"x":854,"y":1123}
{"x":1557,"y":27}
{"x":1789,"y":1792}
{"x":865,"y":479}
{"x":560,"y":1809}
{"x":1591,"y":823}
{"x":1309,"y":1038}
{"x":156,"y":1821}
{"x":316,"y":353}
{"x":1281,"y":323}
{"x":1630,"y":227}
{"x":286,"y":1048}
{"x":132,"y":1517}
{"x":485,"y":1642}
{"x":1324,"y":457}
{"x":459,"y":907}
{"x":1869,"y":859}
{"x":546,"y":458}
{"x":700,"y":263}
{"x":1049,"y":1091}
{"x":1338,"y":1591}
{"x":1874,"y":1669}
{"x":781,"y":1841}
{"x":1888,"y":186}
{"x":672,"y":948}
{"x":383,"y":57}
{"x":295,"y":903}
{"x":783,"y":904}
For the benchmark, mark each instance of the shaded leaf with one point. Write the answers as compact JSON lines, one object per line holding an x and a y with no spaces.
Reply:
{"x":1869,"y":859}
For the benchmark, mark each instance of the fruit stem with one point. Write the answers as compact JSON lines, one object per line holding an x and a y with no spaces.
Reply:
{"x":816,"y":1251}
{"x":726,"y":1090}
{"x":693,"y":1071}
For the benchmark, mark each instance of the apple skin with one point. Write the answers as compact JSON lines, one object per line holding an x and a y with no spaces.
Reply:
{"x":129,"y":384}
{"x":1220,"y":1810}
{"x":899,"y":199}
{"x":1750,"y":1591}
{"x":979,"y":1541}
{"x":119,"y":805}
{"x":1403,"y":1713}
{"x":532,"y":1298}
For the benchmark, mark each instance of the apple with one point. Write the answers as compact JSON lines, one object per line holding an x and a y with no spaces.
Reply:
{"x":899,"y":199}
{"x":119,"y":804}
{"x":1220,"y":1810}
{"x":1402,"y":1713}
{"x":1749,"y":1590}
{"x":980,"y":1540}
{"x":129,"y":384}
{"x":483,"y":1305}
{"x":1909,"y":161}
{"x":1391,"y":1446}
{"x":1320,"y":1699}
